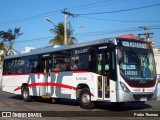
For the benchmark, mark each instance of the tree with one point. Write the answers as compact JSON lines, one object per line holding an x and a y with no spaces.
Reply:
{"x":7,"y":39}
{"x":1,"y":49}
{"x":59,"y":35}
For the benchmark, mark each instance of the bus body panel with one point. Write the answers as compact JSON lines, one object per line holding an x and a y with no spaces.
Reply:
{"x":131,"y":97}
{"x":57,"y":85}
{"x":11,"y":82}
{"x":65,"y":84}
{"x":113,"y":91}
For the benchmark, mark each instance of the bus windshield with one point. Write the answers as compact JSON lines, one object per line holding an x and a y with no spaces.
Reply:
{"x":137,"y":64}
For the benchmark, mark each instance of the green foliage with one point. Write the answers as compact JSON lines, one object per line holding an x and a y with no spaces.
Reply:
{"x":59,"y":35}
{"x":7,"y":39}
{"x":1,"y":46}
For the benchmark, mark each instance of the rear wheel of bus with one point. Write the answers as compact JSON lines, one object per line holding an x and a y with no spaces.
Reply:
{"x":25,"y":94}
{"x":85,"y":99}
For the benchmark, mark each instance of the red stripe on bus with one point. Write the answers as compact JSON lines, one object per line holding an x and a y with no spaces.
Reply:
{"x":17,"y":89}
{"x":50,"y":84}
{"x":80,"y":71}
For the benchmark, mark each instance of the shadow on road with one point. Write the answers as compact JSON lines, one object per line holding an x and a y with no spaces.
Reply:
{"x":101,"y":106}
{"x":18,"y":97}
{"x":125,"y":107}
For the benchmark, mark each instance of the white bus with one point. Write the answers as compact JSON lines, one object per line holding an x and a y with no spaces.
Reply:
{"x":115,"y":70}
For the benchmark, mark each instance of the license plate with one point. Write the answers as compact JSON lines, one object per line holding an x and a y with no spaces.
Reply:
{"x":143,"y":99}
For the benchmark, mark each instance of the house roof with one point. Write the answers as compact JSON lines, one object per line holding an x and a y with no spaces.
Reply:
{"x":129,"y":36}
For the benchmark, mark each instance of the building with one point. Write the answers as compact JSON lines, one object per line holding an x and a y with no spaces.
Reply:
{"x":27,"y":49}
{"x":157,"y":60}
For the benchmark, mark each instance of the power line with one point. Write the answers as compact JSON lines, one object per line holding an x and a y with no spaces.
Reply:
{"x":84,"y":5}
{"x":55,"y":12}
{"x":88,"y":6}
{"x":81,"y":7}
{"x":29,"y":18}
{"x":111,"y":20}
{"x":123,"y":10}
{"x":35,"y":39}
{"x":21,"y":20}
{"x":96,"y":33}
{"x":119,"y":30}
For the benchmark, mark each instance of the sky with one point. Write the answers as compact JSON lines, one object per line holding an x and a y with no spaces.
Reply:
{"x":99,"y":18}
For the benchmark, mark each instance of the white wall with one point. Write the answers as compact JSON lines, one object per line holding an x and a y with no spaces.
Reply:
{"x":157,"y":60}
{"x":0,"y":77}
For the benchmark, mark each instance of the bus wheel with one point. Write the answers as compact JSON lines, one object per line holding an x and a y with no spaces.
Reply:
{"x":25,"y":94}
{"x":85,"y":99}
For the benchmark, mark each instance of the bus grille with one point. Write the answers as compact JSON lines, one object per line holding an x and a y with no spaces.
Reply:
{"x":139,"y":96}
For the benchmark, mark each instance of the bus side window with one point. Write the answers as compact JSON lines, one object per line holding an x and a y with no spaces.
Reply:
{"x":33,"y":64}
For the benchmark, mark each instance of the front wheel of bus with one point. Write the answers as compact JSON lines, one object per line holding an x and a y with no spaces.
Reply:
{"x":25,"y":94}
{"x":85,"y":99}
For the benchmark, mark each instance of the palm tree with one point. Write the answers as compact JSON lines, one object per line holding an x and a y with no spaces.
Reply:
{"x":59,"y":35}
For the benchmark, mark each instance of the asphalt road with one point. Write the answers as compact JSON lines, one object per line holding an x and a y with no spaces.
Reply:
{"x":11,"y":102}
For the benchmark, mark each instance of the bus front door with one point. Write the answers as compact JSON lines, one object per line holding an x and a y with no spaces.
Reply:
{"x":103,"y":70}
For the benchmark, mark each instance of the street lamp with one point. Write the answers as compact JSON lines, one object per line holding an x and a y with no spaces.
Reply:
{"x":48,"y":19}
{"x":65,"y":29}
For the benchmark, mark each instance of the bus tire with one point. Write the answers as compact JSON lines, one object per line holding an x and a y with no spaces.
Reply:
{"x":25,"y":94}
{"x":85,"y":99}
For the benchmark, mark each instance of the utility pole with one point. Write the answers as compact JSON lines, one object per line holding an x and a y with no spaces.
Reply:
{"x":66,"y":14}
{"x":145,"y":33}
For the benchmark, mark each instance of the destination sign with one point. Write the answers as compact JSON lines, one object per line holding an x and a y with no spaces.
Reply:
{"x":133,"y":44}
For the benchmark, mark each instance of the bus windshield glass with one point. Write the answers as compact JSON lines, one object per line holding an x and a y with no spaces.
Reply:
{"x":137,"y":61}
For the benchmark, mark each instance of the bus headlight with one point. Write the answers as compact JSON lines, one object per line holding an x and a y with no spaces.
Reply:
{"x":124,"y":87}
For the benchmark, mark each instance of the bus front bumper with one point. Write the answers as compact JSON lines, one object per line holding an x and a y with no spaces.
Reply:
{"x":134,"y":96}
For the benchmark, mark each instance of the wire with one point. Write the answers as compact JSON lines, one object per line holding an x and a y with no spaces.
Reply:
{"x":90,"y":4}
{"x":96,"y":33}
{"x":35,"y":39}
{"x":48,"y":13}
{"x":119,"y":30}
{"x":23,"y":19}
{"x":115,"y":20}
{"x":87,"y":6}
{"x":81,"y":7}
{"x":123,"y":10}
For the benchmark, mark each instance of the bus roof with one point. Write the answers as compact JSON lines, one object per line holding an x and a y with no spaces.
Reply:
{"x":63,"y":47}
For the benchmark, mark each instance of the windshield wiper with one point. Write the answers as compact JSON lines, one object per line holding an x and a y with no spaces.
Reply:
{"x":134,"y":55}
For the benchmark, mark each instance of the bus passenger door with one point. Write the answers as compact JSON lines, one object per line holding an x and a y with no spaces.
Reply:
{"x":46,"y":68}
{"x":103,"y":69}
